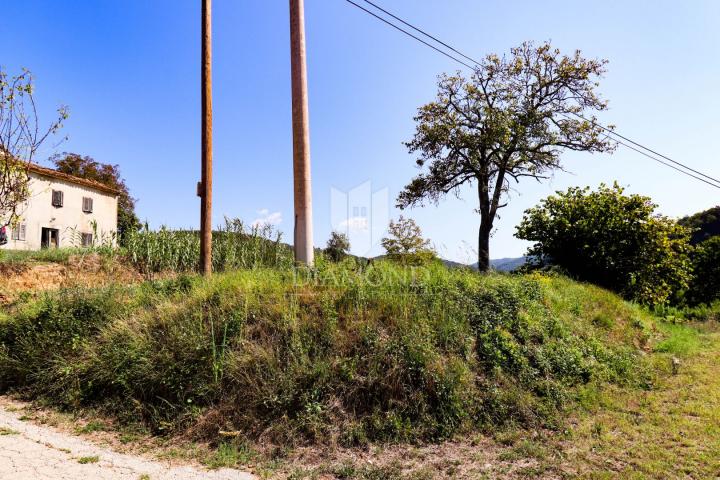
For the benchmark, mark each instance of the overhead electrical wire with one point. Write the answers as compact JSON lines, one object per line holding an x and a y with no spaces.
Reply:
{"x":409,"y":34}
{"x":638,"y":147}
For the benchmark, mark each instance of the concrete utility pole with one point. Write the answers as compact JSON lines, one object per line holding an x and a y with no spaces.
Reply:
{"x":301,"y":136}
{"x":205,"y":187}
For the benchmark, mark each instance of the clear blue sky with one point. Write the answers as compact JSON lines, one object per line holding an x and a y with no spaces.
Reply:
{"x":129,"y":71}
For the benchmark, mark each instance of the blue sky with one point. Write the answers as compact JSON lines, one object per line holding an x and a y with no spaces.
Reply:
{"x":129,"y":71}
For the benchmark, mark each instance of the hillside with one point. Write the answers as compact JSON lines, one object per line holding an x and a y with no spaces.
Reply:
{"x":338,"y":358}
{"x":408,"y":357}
{"x":705,"y":224}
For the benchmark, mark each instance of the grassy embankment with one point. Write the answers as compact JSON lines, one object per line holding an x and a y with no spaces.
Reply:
{"x":384,"y":354}
{"x":354,"y":355}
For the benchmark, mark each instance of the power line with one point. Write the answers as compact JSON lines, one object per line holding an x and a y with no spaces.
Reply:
{"x":641,"y":152}
{"x":419,"y":30}
{"x":666,"y":164}
{"x":453,"y":49}
{"x":409,"y":34}
{"x":613,"y":132}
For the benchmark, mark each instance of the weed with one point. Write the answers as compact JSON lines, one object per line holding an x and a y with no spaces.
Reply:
{"x":230,"y":455}
{"x":90,"y":427}
{"x":8,"y":431}
{"x":86,"y":460}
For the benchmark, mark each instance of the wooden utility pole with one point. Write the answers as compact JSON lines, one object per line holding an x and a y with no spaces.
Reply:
{"x":301,"y":136}
{"x":205,"y":187}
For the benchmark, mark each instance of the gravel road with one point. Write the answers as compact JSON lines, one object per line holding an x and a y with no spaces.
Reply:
{"x":35,"y":452}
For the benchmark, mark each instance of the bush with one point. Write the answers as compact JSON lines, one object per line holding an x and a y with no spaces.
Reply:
{"x":338,"y":246}
{"x":380,"y":354}
{"x":610,"y":239}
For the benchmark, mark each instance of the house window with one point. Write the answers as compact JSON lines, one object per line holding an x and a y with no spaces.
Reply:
{"x":57,"y":198}
{"x":19,"y":232}
{"x":87,"y":239}
{"x":87,"y":204}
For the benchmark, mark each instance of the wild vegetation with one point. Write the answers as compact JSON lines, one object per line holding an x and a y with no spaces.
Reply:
{"x":235,"y":246}
{"x":705,"y":225}
{"x":610,"y":239}
{"x":335,"y":355}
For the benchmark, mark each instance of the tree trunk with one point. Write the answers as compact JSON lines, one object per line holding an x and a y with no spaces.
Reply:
{"x":484,"y":245}
{"x":486,"y":222}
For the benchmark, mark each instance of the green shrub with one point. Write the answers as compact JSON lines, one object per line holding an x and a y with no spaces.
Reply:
{"x":612,"y":240}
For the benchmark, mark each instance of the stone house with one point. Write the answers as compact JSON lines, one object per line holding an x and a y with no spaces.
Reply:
{"x":64,"y":211}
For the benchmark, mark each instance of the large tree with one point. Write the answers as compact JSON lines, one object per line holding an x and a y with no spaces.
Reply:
{"x":511,"y":119}
{"x":87,"y":167}
{"x":20,"y":138}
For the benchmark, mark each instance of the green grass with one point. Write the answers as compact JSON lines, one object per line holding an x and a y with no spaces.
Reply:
{"x":228,"y":455}
{"x":22,"y":257}
{"x":341,"y":354}
{"x":669,"y":431}
{"x":86,"y":460}
{"x":681,"y":339}
{"x":8,"y":431}
{"x":90,"y":427}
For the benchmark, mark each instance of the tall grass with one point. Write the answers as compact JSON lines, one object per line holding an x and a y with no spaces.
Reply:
{"x":235,"y":246}
{"x":345,"y":353}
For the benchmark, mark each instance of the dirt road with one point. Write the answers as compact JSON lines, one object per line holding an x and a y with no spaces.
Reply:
{"x":35,"y":452}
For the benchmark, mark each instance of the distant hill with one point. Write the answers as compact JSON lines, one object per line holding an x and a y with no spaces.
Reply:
{"x":508,"y":264}
{"x":706,"y":224}
{"x":500,"y":264}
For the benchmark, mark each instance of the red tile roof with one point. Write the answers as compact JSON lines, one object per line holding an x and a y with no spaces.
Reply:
{"x":49,"y":172}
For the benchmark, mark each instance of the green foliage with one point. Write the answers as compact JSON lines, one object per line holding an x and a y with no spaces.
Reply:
{"x":88,"y":168}
{"x":382,"y":353}
{"x":234,"y":247}
{"x":704,"y":225}
{"x":338,"y":246}
{"x":405,"y":243}
{"x":508,"y":121}
{"x":705,"y":285}
{"x":610,"y":239}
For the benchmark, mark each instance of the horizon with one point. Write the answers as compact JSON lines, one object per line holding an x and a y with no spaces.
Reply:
{"x":130,"y":75}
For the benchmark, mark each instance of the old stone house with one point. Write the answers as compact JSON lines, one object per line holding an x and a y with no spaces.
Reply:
{"x":64,"y":211}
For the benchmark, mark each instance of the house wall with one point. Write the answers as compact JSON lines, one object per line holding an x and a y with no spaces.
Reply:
{"x":69,"y":220}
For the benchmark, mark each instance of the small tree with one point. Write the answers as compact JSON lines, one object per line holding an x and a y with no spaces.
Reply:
{"x":338,"y":246}
{"x":612,"y":240}
{"x":406,"y":243}
{"x":511,"y":119}
{"x":20,"y":138}
{"x":86,"y":167}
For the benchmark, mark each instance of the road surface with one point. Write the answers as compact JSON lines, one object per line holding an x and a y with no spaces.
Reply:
{"x":36,"y":452}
